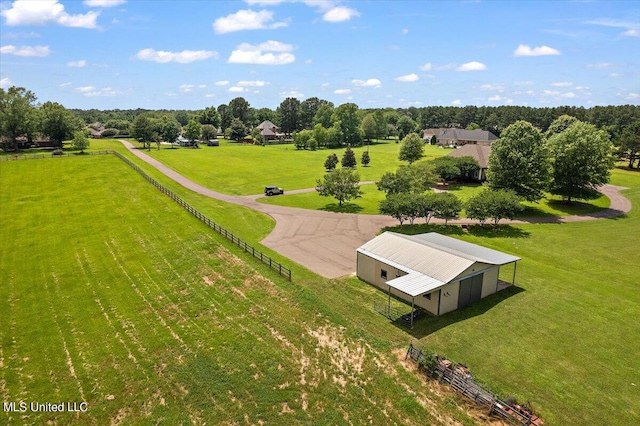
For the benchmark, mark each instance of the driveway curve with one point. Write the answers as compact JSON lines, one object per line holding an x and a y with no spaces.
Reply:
{"x":326,"y":242}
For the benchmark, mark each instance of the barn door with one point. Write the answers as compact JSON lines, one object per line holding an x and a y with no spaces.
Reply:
{"x":470,"y":290}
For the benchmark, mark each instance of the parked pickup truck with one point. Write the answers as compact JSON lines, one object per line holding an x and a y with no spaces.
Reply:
{"x":272,"y":190}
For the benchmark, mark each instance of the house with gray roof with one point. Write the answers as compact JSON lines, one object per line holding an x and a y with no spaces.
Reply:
{"x":269,"y":131}
{"x":432,"y":271}
{"x":459,"y":137}
{"x":480,"y":153}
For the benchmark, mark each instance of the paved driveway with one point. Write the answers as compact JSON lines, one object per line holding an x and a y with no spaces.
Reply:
{"x":326,"y":242}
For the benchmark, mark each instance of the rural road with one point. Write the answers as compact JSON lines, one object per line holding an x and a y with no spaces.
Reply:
{"x":326,"y":242}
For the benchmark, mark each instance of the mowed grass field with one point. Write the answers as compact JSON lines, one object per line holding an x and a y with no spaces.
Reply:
{"x":564,"y":339}
{"x":242,"y":169}
{"x":113,"y":295}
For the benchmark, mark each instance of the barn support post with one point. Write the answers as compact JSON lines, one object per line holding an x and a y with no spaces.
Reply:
{"x":413,"y":301}
{"x":389,"y":302}
{"x":515,"y":265}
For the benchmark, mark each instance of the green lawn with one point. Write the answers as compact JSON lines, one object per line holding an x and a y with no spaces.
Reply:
{"x":113,"y":295}
{"x":120,"y":264}
{"x":242,"y":169}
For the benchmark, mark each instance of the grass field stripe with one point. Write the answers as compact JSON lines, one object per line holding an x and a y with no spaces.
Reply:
{"x":135,"y":288}
{"x":68,"y":358}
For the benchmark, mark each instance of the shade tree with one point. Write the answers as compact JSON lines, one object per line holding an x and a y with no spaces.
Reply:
{"x":581,"y":157}
{"x":495,"y":205}
{"x":342,"y":184}
{"x":412,"y":148}
{"x":519,"y":161}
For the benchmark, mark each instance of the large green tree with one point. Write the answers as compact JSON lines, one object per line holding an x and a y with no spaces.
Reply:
{"x":414,"y":179}
{"x":170,"y":130}
{"x":57,"y":123}
{"x":630,"y":143}
{"x":349,"y":121}
{"x":341,"y":184}
{"x":80,"y":141}
{"x":495,"y":205}
{"x":288,"y":112}
{"x":193,"y":131}
{"x":237,"y":129}
{"x":324,"y":115}
{"x":560,"y":124}
{"x":519,"y":162}
{"x":412,"y":148}
{"x":369,"y":128}
{"x":405,"y":126}
{"x":239,"y":108}
{"x":210,"y":116}
{"x":17,"y":115}
{"x":308,"y":109}
{"x":144,"y":130}
{"x":446,"y":206}
{"x":582,"y":157}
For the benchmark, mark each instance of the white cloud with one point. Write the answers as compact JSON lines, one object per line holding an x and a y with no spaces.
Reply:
{"x":340,"y":14}
{"x":562,"y":84}
{"x":632,"y":96}
{"x":498,"y":98}
{"x":472,"y":66}
{"x":250,"y":54}
{"x":632,"y":28}
{"x":405,"y":31}
{"x":45,"y":12}
{"x":342,"y":91}
{"x":251,"y":83}
{"x":77,"y":64}
{"x":291,"y":94}
{"x":456,"y":102}
{"x":493,"y":87}
{"x":409,"y":78}
{"x":246,"y":20}
{"x":524,"y":50}
{"x":568,"y":95}
{"x":103,"y":3}
{"x":65,"y":84}
{"x":104,"y":92}
{"x":186,"y":88}
{"x":600,"y":66}
{"x":39,"y":51}
{"x":85,"y":89}
{"x":426,"y":67}
{"x":184,"y":57}
{"x":222,"y":83}
{"x":494,"y":98}
{"x":372,"y":82}
{"x":236,"y":89}
{"x":5,"y":83}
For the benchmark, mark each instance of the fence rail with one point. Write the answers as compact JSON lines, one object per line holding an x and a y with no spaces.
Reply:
{"x":267,"y":260}
{"x":459,"y":378}
{"x":15,"y":157}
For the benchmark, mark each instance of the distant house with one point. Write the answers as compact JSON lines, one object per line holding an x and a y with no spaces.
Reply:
{"x":459,"y":137}
{"x":269,"y":131}
{"x":435,"y":272}
{"x":480,"y":153}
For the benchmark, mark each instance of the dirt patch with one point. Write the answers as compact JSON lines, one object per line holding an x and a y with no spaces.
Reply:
{"x":285,"y":409}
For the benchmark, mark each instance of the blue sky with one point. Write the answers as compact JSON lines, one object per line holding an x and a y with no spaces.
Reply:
{"x":192,"y":54}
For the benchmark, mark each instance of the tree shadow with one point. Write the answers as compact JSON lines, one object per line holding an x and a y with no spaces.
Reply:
{"x":345,"y":208}
{"x":497,"y":231}
{"x":573,"y":207}
{"x":423,"y":228}
{"x":428,"y":323}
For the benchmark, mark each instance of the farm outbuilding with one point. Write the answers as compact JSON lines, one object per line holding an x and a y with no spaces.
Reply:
{"x":432,"y":271}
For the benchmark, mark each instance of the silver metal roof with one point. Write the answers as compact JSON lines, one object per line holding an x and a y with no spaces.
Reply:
{"x":438,"y":259}
{"x":415,"y":284}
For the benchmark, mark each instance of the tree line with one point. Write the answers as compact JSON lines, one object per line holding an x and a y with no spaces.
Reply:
{"x":314,"y":122}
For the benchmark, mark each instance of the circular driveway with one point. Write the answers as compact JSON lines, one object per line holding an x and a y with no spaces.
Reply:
{"x":326,"y":242}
